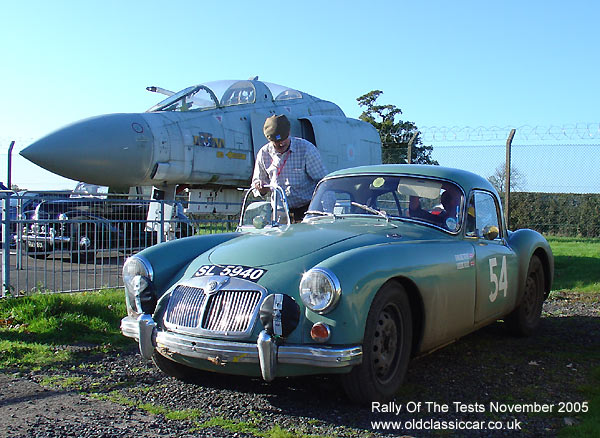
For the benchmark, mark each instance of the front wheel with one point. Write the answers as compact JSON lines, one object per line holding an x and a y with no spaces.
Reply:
{"x":82,"y":242}
{"x":526,"y":317}
{"x":175,"y":369}
{"x":33,"y":253}
{"x":387,"y":347}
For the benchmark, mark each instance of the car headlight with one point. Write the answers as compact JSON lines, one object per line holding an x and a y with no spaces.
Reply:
{"x":320,"y":290}
{"x":137,"y":278}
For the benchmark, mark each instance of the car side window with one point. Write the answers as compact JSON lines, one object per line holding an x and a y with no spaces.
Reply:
{"x":483,"y":216}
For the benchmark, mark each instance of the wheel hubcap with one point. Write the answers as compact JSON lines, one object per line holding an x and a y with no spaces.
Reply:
{"x":385,"y":345}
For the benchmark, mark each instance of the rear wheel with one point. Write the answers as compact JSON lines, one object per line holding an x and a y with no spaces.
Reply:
{"x":386,"y":348}
{"x":526,"y":317}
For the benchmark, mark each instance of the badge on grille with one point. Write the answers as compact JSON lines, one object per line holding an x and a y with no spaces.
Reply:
{"x":213,"y":286}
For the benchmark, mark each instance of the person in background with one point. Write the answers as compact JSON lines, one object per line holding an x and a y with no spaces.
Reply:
{"x":448,"y":217}
{"x":289,"y":162}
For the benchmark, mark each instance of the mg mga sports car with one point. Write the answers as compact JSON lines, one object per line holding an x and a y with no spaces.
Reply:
{"x":391,"y":261}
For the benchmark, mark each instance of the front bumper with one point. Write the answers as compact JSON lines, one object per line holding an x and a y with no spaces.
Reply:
{"x":43,"y":241}
{"x":265,"y":352}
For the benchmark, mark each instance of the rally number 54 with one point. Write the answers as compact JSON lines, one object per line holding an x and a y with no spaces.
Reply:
{"x":499,"y":282}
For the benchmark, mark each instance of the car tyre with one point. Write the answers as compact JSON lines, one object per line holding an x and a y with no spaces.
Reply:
{"x":34,"y":253}
{"x":387,"y":345}
{"x":83,"y":257}
{"x":526,"y":317}
{"x":79,"y":232}
{"x":37,"y":255}
{"x":175,"y":369}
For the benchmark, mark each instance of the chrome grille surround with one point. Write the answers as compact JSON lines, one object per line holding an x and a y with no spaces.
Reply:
{"x":214,"y":306}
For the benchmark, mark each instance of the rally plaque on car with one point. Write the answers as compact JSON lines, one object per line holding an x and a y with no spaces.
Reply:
{"x":238,"y":271}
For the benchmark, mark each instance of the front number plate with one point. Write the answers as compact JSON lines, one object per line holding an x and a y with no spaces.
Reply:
{"x":238,"y":271}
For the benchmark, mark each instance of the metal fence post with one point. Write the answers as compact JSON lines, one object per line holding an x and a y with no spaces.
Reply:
{"x":161,"y":231}
{"x":5,"y":244}
{"x":6,"y":226}
{"x":19,"y":234}
{"x":507,"y":177}
{"x":410,"y":144}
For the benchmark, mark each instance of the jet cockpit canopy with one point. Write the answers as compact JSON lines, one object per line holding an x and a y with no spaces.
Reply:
{"x":225,"y":93}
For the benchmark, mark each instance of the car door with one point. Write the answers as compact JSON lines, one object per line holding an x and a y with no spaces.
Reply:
{"x":495,"y":261}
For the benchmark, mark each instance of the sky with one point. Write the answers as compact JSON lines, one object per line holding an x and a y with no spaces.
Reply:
{"x":445,"y":64}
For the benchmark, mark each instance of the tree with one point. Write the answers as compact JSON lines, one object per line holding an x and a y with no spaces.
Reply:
{"x":395,"y":135}
{"x":498,"y":179}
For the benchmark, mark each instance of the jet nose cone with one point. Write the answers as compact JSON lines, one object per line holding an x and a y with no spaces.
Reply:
{"x":109,"y":150}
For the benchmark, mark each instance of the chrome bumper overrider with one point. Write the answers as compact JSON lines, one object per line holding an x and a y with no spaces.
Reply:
{"x":265,"y":352}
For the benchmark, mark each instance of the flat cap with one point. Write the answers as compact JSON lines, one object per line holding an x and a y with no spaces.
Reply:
{"x":277,"y":128}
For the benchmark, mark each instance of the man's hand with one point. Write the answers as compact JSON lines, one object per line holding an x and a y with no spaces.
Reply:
{"x":258,"y":185}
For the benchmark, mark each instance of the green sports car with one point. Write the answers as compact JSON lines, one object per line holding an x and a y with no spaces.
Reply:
{"x":390,"y":262}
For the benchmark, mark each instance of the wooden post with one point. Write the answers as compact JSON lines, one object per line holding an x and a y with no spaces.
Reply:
{"x":410,"y":143}
{"x":507,"y":177}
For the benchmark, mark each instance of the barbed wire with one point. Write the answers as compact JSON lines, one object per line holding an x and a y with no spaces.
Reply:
{"x":566,"y":132}
{"x":519,"y":146}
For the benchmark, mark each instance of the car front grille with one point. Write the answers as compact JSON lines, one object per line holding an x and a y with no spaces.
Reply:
{"x":230,"y":311}
{"x":185,"y":306}
{"x":226,"y":312}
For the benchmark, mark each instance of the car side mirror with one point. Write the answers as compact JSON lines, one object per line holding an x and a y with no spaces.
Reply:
{"x":490,"y":232}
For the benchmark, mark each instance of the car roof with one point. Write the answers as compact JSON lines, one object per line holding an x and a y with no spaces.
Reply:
{"x":467,"y":180}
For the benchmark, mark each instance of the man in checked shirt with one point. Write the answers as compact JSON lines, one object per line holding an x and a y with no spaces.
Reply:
{"x":290,"y":162}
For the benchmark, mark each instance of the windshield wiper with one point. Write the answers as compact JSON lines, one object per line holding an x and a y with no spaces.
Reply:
{"x":381,"y":213}
{"x":321,"y":213}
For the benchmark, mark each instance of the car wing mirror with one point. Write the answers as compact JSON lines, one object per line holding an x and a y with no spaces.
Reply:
{"x":490,"y":232}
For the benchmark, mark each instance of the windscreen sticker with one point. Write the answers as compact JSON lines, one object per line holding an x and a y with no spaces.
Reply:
{"x":237,"y":271}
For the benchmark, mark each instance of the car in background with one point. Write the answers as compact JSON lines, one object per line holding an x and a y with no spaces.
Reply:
{"x":390,"y":262}
{"x":22,"y":207}
{"x":81,"y":227}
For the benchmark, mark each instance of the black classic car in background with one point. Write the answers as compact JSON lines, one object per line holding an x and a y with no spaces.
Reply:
{"x":83,"y":227}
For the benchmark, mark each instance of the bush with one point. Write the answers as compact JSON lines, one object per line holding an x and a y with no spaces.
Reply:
{"x":562,"y":214}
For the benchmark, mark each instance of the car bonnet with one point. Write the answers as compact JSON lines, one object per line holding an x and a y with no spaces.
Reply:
{"x":278,"y":247}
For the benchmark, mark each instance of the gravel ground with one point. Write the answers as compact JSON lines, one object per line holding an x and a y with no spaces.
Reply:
{"x":120,"y":395}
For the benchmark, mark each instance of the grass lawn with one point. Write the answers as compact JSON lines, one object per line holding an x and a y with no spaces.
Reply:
{"x":33,"y":328}
{"x":576,"y":263}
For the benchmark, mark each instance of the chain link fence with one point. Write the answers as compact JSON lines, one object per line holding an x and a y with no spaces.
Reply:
{"x":555,"y":187}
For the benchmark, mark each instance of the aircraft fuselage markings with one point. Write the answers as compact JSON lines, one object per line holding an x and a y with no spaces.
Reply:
{"x":207,"y":140}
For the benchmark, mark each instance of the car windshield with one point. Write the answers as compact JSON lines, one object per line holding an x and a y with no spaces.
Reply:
{"x":427,"y":200}
{"x":264,"y":212}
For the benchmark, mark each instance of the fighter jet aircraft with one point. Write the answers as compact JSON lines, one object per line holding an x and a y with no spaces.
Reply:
{"x":205,"y":137}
